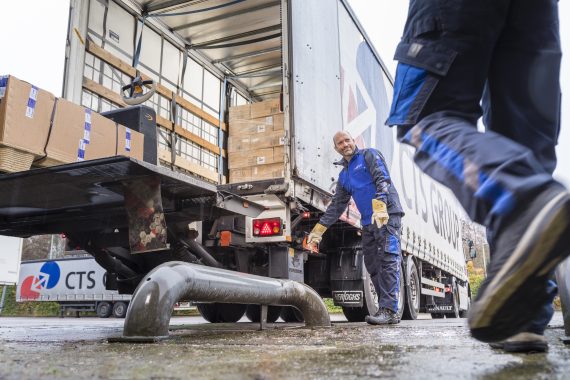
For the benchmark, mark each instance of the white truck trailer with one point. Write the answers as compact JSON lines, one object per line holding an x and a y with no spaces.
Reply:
{"x":76,"y":284}
{"x":202,"y":58}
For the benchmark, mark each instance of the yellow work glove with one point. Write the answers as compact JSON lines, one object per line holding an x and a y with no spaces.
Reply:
{"x":379,"y":213}
{"x":316,"y":234}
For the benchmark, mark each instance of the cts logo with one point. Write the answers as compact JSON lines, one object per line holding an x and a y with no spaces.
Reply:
{"x":48,"y":277}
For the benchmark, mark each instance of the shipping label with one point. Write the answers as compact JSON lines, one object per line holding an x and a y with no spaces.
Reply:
{"x":128,"y":140}
{"x":3,"y":85}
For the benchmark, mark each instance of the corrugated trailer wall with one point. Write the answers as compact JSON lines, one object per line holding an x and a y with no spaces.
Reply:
{"x":110,"y":44}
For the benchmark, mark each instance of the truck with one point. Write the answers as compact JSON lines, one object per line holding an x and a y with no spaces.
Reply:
{"x":76,"y":284}
{"x":191,"y":63}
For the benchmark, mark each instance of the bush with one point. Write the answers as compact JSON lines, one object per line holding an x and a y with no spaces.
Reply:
{"x":27,"y":309}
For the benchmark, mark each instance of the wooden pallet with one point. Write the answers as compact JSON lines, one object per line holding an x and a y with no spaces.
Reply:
{"x":14,"y":160}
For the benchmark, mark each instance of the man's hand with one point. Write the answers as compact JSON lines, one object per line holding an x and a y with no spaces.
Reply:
{"x":316,"y":234}
{"x":380,"y":213}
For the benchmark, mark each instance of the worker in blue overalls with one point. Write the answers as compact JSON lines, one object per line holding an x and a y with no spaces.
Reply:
{"x":365,"y":177}
{"x":504,"y":55}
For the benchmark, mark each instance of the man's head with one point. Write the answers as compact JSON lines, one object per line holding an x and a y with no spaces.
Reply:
{"x":344,"y":144}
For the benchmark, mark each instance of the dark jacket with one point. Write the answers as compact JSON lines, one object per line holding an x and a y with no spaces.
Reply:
{"x":364,"y":178}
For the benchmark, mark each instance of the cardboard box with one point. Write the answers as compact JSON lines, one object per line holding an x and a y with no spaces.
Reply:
{"x":25,"y":113}
{"x":265,"y":156}
{"x":256,"y":110}
{"x":79,"y":134}
{"x":257,"y":141}
{"x":257,"y":172}
{"x":267,"y":124}
{"x":129,"y":143}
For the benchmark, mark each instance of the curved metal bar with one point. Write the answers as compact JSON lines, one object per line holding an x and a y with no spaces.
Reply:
{"x":151,"y":306}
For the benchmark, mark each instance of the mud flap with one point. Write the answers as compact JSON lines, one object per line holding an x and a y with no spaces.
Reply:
{"x":147,"y":226}
{"x":346,"y":278}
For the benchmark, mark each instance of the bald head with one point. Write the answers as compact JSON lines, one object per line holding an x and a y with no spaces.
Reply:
{"x":344,"y":144}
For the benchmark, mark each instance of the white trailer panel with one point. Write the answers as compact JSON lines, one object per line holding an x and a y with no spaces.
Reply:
{"x":10,"y":256}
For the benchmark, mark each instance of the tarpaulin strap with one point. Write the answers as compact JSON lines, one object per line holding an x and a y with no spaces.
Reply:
{"x":3,"y":85}
{"x":106,"y":4}
{"x":197,"y":10}
{"x":32,"y":98}
{"x":137,"y":55}
{"x":51,"y":119}
{"x":183,"y":73}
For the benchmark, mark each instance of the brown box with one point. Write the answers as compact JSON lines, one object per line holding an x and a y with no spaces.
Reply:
{"x":256,"y":110}
{"x":25,"y":113}
{"x":130,"y":145}
{"x":79,"y":134}
{"x":247,"y":158}
{"x":257,"y":172}
{"x":257,"y":141}
{"x":267,"y":124}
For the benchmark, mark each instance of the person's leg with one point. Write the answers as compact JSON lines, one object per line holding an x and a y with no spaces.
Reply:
{"x":444,"y":60}
{"x":370,"y":237}
{"x":522,"y":96}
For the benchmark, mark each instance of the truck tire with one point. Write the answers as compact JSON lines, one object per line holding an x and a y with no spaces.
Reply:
{"x":221,"y":312}
{"x":104,"y":309}
{"x":412,"y":297}
{"x":455,"y":298}
{"x":291,"y":314}
{"x":370,"y":304}
{"x":119,"y":309}
{"x":253,"y":313}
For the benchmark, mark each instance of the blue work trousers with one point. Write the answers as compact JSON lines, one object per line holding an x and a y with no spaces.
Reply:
{"x":382,"y":257}
{"x":500,"y":59}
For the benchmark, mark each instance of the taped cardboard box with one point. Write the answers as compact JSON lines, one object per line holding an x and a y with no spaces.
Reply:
{"x":256,"y":157}
{"x":79,"y":134}
{"x":256,"y":110}
{"x":253,"y":142}
{"x":257,"y":172}
{"x":25,"y":113}
{"x":267,"y":124}
{"x":129,"y":143}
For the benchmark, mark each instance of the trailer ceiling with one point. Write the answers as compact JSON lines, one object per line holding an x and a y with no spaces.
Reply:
{"x":241,"y":37}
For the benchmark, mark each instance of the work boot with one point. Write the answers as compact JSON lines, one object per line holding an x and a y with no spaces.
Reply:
{"x":383,"y":317}
{"x":529,"y":246}
{"x":523,"y":342}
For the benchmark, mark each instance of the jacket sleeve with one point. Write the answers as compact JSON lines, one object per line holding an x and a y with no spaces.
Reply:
{"x":337,"y":206}
{"x":379,"y":172}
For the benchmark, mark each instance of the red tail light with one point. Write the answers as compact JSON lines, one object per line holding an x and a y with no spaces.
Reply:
{"x":267,"y":227}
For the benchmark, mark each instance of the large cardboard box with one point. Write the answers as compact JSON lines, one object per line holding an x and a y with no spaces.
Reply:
{"x":264,"y":156}
{"x":267,"y":124}
{"x":25,"y":113}
{"x":256,"y":110}
{"x":129,"y":143}
{"x":254,"y":142}
{"x":79,"y":134}
{"x":257,"y":172}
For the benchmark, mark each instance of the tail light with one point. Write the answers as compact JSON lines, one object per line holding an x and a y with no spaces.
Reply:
{"x":267,"y":227}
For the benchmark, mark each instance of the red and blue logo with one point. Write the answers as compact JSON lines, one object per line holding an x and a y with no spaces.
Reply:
{"x":32,"y":286}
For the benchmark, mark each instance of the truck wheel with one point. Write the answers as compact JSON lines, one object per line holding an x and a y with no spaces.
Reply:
{"x":253,"y":313}
{"x":370,"y":302}
{"x":455,"y":297}
{"x":119,"y":309}
{"x":291,"y":314}
{"x":221,"y":312}
{"x":412,"y":304}
{"x":104,"y":309}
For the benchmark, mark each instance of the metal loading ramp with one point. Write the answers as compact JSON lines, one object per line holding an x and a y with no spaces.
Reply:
{"x":151,"y":307}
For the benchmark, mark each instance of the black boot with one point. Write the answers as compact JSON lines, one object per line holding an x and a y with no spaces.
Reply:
{"x":383,"y":317}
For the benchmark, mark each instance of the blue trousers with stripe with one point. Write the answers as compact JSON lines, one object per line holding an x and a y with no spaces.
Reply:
{"x":382,"y":257}
{"x":500,"y":59}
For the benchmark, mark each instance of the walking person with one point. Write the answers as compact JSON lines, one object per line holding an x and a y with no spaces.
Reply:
{"x":504,"y":55}
{"x":366,"y":178}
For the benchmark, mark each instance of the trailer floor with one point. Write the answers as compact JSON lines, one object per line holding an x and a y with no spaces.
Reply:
{"x":53,"y":348}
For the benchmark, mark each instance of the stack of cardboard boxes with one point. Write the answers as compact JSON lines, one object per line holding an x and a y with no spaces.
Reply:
{"x":38,"y":129}
{"x":256,"y":143}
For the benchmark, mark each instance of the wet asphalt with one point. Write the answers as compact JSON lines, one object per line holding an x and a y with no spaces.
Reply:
{"x":78,"y":348}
